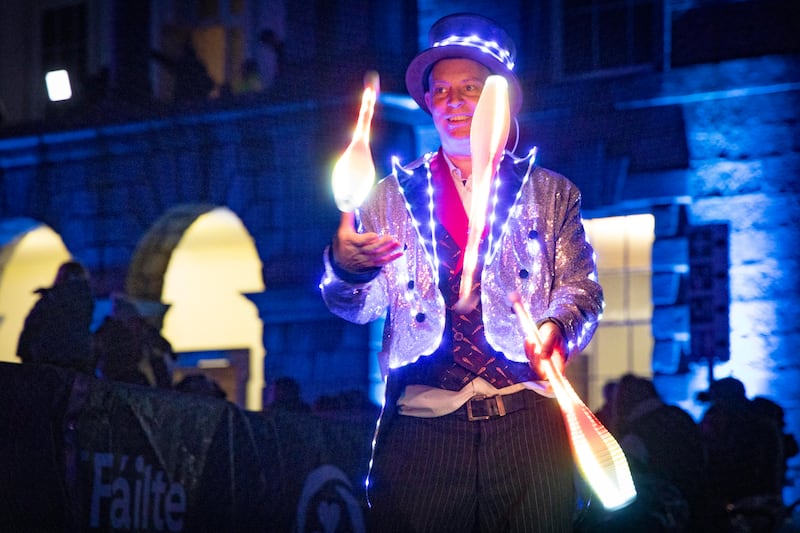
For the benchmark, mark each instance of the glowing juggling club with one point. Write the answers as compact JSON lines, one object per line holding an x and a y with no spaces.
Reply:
{"x":597,"y":453}
{"x":488,"y":136}
{"x":354,"y":172}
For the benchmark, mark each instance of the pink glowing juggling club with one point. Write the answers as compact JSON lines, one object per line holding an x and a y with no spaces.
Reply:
{"x":354,"y":172}
{"x":488,"y":136}
{"x":597,"y":453}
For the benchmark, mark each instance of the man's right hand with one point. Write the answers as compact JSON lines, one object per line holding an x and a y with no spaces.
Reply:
{"x":360,"y":252}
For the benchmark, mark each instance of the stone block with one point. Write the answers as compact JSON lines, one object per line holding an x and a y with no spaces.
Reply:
{"x":670,"y":254}
{"x":669,"y":320}
{"x":670,"y":220}
{"x":668,"y":288}
{"x":667,"y":356}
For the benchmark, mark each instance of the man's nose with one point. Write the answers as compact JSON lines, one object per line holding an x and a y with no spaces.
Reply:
{"x":455,"y":99}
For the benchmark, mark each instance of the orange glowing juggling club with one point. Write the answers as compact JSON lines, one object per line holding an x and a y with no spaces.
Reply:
{"x":354,"y":172}
{"x":597,"y":453}
{"x":488,"y":136}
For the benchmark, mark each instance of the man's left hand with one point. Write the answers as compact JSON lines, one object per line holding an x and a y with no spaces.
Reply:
{"x":554,"y":346}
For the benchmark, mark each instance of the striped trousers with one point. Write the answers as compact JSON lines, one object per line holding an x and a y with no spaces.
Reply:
{"x":448,"y":474}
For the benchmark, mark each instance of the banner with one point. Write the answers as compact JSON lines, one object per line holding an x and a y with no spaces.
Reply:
{"x":82,"y":454}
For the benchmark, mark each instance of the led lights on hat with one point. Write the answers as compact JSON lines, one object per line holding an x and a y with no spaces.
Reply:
{"x":465,"y":36}
{"x":488,"y":47}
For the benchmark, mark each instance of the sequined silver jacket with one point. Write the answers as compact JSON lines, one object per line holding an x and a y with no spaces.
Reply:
{"x":537,"y":247}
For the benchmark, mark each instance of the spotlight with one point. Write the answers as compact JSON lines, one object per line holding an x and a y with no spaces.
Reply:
{"x":58,"y":86}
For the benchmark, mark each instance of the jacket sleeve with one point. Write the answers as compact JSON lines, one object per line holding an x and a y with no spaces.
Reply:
{"x":576,"y":298}
{"x":355,"y":301}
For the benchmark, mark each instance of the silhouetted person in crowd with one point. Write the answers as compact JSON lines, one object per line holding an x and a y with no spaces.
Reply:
{"x":771,"y":410}
{"x":57,"y":329}
{"x":664,"y":443}
{"x":130,"y":349}
{"x":745,"y":461}
{"x":665,"y":452}
{"x":606,"y":412}
{"x":200,"y":384}
{"x":352,"y":405}
{"x":284,"y":395}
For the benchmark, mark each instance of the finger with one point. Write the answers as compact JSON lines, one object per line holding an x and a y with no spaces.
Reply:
{"x":558,"y":361}
{"x":546,"y":352}
{"x":387,"y":258}
{"x":530,"y":349}
{"x":384,"y":253}
{"x":532,"y":352}
{"x":384,"y":245}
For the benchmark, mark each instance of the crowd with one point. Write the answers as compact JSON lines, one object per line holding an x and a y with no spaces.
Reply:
{"x":125,"y":347}
{"x":723,"y":473}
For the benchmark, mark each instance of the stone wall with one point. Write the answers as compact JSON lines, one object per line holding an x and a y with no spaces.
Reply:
{"x":103,"y":188}
{"x":742,"y":132}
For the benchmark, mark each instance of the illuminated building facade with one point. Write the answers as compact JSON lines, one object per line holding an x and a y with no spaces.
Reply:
{"x":686,"y":112}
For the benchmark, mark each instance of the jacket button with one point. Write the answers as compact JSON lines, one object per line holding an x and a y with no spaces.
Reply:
{"x":532,"y":234}
{"x":420,"y":317}
{"x":523,"y":274}
{"x":411,"y":285}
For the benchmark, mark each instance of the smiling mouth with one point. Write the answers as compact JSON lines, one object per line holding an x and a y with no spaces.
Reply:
{"x":458,"y":120}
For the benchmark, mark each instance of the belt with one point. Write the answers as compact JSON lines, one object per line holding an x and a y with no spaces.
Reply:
{"x":481,"y":407}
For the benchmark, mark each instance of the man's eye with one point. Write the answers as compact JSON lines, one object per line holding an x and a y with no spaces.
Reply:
{"x":440,"y":90}
{"x":473,"y":88}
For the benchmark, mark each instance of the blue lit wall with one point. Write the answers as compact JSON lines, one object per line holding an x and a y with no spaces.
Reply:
{"x":744,"y":170}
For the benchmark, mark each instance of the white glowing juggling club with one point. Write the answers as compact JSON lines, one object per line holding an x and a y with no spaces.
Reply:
{"x":491,"y":122}
{"x":597,"y":453}
{"x":354,"y":172}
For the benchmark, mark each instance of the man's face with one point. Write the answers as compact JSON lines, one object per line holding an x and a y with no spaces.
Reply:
{"x":455,"y":86}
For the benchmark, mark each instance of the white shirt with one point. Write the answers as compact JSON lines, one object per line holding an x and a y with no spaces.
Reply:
{"x":463,"y":186}
{"x":428,"y":402}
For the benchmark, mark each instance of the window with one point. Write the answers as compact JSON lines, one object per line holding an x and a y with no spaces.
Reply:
{"x":623,"y":342}
{"x":608,"y":36}
{"x":236,"y":42}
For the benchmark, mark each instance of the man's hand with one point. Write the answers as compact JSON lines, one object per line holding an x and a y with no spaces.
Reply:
{"x":360,"y":252}
{"x":554,"y":346}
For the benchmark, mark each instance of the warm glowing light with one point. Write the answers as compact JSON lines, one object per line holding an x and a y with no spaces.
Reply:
{"x":488,"y":136}
{"x":210,"y":270}
{"x":597,"y":453}
{"x":599,"y":456}
{"x":623,"y":341}
{"x":354,"y":172}
{"x":34,"y":255}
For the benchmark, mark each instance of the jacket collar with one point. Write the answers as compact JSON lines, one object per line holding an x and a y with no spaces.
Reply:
{"x":417,"y":185}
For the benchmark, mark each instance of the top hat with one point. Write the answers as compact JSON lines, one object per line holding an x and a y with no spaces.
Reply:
{"x":465,"y":36}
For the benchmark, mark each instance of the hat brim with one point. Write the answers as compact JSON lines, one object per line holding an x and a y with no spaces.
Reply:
{"x":419,"y":69}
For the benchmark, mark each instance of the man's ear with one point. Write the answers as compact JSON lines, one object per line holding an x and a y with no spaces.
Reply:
{"x":428,"y":99}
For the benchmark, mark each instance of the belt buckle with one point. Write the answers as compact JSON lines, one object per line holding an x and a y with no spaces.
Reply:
{"x":498,"y":400}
